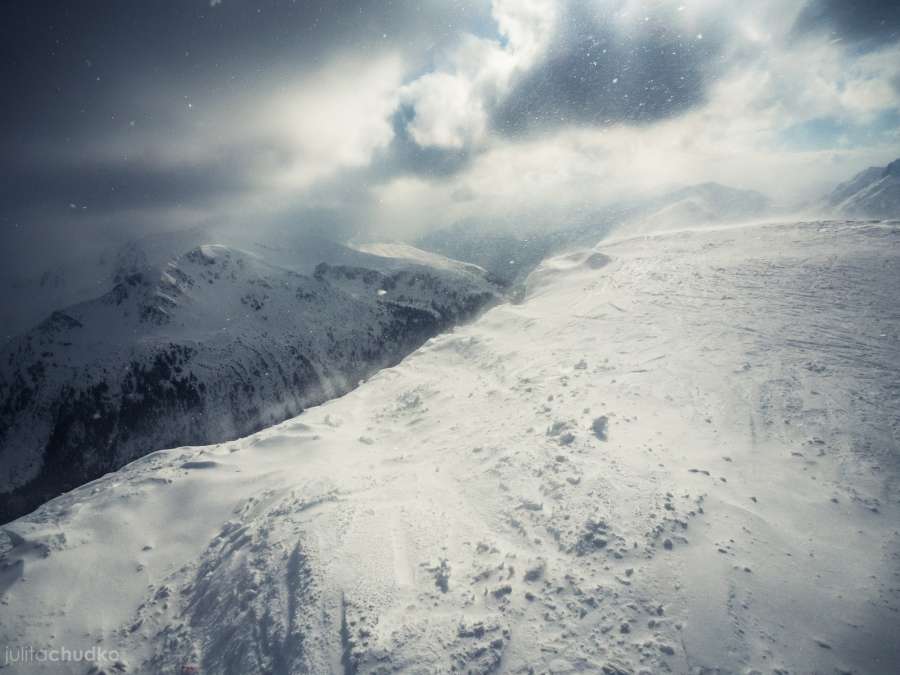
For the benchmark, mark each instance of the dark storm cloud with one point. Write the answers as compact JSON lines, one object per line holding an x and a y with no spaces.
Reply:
{"x":122,"y":118}
{"x":604,"y":68}
{"x":94,"y":89}
{"x":79,"y":70}
{"x":60,"y":59}
{"x":867,"y":24}
{"x":120,"y":185}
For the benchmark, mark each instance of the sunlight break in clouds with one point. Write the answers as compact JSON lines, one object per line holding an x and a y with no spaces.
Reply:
{"x":362,"y":119}
{"x":769,"y":84}
{"x":452,"y":105}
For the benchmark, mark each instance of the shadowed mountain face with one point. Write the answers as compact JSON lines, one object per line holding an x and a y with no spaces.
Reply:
{"x":873,"y":193}
{"x":211,"y":346}
{"x":34,"y":295}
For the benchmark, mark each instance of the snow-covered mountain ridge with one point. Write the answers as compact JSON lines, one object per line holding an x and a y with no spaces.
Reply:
{"x":511,"y":253}
{"x":212,"y":345}
{"x":28,"y":300}
{"x":873,"y":193}
{"x":677,"y":454}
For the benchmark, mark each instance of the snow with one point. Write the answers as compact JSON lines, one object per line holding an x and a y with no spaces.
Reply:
{"x":412,"y":254}
{"x":701,"y":205}
{"x":676,"y":453}
{"x":873,"y":193}
{"x":30,"y":299}
{"x":215,"y":343}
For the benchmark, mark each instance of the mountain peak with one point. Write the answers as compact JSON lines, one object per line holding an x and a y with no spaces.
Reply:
{"x":872,"y":193}
{"x":892,"y":169}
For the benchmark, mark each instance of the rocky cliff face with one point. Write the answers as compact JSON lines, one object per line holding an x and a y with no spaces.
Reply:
{"x":214,"y":345}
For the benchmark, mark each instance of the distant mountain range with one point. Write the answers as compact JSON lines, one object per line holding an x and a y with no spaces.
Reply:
{"x":873,"y":193}
{"x":210,"y":345}
{"x":169,"y":340}
{"x":511,"y":254}
{"x":30,"y":298}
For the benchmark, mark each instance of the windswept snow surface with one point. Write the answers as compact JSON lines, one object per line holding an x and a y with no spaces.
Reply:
{"x":678,"y":454}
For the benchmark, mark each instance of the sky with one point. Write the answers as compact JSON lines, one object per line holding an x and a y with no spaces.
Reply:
{"x":389,"y":118}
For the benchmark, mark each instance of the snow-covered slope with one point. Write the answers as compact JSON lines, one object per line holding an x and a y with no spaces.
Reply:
{"x":697,"y":206}
{"x":510,"y":254}
{"x":873,"y":193}
{"x":29,"y":299}
{"x":215,"y":344}
{"x":678,"y":454}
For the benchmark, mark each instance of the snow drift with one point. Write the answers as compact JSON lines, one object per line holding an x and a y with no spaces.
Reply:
{"x":677,"y":454}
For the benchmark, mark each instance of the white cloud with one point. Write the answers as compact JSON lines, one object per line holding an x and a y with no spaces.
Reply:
{"x":739,"y":136}
{"x":335,"y":119}
{"x":306,"y":129}
{"x":449,"y":112}
{"x":291,"y":137}
{"x":451,"y":105}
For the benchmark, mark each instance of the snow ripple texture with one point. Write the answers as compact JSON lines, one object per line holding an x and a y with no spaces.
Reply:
{"x":678,"y":454}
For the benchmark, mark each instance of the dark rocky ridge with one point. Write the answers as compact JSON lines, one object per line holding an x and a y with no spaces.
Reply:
{"x":212,"y":348}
